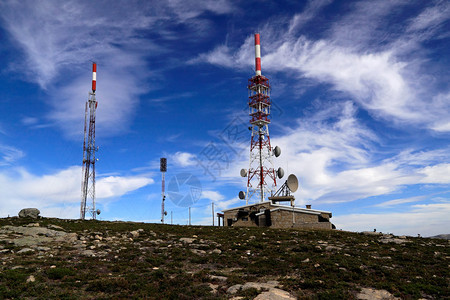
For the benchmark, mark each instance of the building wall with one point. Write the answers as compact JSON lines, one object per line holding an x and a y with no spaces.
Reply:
{"x":284,"y":219}
{"x":279,"y":219}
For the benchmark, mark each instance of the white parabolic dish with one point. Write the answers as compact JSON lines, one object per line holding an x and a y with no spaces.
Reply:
{"x":292,"y":183}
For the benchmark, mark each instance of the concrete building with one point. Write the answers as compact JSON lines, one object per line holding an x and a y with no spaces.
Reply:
{"x":268,"y":214}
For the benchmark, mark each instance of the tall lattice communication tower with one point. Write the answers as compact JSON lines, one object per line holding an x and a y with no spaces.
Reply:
{"x":261,"y":175}
{"x":89,"y":149}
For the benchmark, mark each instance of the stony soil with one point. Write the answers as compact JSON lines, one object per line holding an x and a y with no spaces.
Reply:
{"x":72,"y":259}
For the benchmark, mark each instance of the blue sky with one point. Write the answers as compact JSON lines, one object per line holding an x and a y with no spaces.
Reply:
{"x":360,"y":92}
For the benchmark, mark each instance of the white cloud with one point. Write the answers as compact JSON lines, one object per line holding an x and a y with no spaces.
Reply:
{"x":224,"y":204}
{"x":212,"y":195}
{"x":436,"y":174}
{"x":336,"y":160}
{"x":59,"y":191}
{"x":183,"y":159}
{"x":115,"y":186}
{"x":423,"y":219}
{"x":333,"y":155}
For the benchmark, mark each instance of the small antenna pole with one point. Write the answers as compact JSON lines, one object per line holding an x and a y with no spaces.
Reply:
{"x":212,"y":207}
{"x":163,"y":169}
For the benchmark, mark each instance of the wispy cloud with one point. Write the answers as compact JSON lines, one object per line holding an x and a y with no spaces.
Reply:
{"x":59,"y":39}
{"x":387,"y":82}
{"x":311,"y":10}
{"x":399,"y":201}
{"x":9,"y":155}
{"x":431,"y":18}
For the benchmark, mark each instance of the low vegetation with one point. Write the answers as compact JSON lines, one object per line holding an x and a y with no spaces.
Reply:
{"x":107,"y":260}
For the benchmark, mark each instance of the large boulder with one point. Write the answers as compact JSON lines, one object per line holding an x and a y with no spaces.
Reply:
{"x":29,"y":213}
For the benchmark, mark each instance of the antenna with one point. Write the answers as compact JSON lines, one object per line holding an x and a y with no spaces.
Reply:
{"x":261,"y":175}
{"x":284,"y":192}
{"x":89,"y":149}
{"x":163,"y":169}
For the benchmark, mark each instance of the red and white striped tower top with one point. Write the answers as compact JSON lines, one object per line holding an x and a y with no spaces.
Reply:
{"x":94,"y":77}
{"x":257,"y":55}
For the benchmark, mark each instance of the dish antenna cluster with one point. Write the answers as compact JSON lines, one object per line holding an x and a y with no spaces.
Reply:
{"x":279,"y":172}
{"x":261,"y":175}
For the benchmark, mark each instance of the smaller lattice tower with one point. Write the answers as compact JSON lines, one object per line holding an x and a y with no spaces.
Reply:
{"x":163,"y":169}
{"x":261,"y":175}
{"x":89,"y":149}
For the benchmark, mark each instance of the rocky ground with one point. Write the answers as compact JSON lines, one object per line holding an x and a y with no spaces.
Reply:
{"x":73,"y":259}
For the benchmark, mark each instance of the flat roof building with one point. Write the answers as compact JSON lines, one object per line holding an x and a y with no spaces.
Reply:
{"x":268,"y":214}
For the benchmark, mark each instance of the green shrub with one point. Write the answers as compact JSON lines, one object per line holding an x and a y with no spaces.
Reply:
{"x":59,"y":273}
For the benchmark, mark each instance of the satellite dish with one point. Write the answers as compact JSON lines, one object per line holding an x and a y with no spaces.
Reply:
{"x":280,"y":172}
{"x":243,"y":172}
{"x":276,"y":151}
{"x":241,"y":195}
{"x":98,"y":211}
{"x":292,"y":183}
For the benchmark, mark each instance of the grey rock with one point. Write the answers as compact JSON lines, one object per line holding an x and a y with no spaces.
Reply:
{"x":256,"y":285}
{"x":393,"y":240}
{"x":187,"y":240}
{"x":216,"y":251}
{"x":56,"y":227}
{"x":213,"y":287}
{"x":133,"y":234}
{"x":32,"y":236}
{"x":275,"y":294}
{"x":234,"y":289}
{"x":31,"y":279}
{"x":88,"y":253}
{"x":25,"y":250}
{"x":40,"y":248}
{"x":29,"y":213}
{"x":373,"y":294}
{"x":33,"y":225}
{"x":371,"y":233}
{"x":331,"y":248}
{"x":218,"y":278}
{"x":198,"y":252}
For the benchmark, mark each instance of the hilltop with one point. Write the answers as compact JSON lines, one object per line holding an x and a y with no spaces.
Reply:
{"x":73,"y":259}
